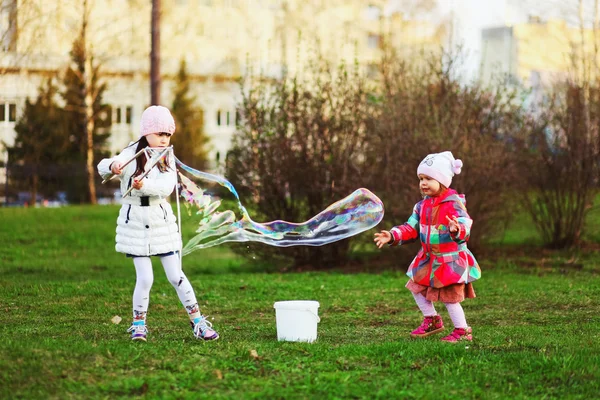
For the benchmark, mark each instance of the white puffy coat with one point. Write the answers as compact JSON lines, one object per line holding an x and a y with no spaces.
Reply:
{"x":145,"y":230}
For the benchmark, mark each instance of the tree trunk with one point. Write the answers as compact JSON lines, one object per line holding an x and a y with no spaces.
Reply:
{"x":34,"y":188}
{"x":89,"y":117}
{"x":155,"y":54}
{"x":89,"y":109}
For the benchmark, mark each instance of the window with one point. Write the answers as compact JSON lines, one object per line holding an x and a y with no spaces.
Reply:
{"x":8,"y":112}
{"x":128,"y":112}
{"x":373,"y":41}
{"x":12,"y":112}
{"x":237,"y":118}
{"x":118,"y":118}
{"x":219,"y":118}
{"x":373,"y":12}
{"x":372,"y":70}
{"x":108,"y":116}
{"x":227,"y":118}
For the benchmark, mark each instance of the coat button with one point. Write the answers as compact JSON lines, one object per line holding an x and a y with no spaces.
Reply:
{"x":147,"y":226}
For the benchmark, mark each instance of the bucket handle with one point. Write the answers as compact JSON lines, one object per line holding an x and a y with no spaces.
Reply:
{"x":315,"y":315}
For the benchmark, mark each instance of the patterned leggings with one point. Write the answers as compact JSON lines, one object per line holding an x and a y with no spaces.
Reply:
{"x":145,"y":278}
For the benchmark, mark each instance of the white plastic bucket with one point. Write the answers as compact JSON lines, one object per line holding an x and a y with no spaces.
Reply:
{"x":297,"y":320}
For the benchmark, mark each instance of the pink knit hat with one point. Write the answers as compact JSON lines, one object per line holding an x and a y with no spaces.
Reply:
{"x":441,"y":167}
{"x":156,"y":119}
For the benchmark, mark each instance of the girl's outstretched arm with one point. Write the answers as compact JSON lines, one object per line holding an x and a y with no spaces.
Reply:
{"x":409,"y":231}
{"x":105,"y":166}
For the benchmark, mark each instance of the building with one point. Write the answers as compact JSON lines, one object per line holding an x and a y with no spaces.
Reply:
{"x":535,"y":53}
{"x":219,"y":39}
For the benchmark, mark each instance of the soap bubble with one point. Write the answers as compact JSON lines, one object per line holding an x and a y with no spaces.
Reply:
{"x":356,"y":213}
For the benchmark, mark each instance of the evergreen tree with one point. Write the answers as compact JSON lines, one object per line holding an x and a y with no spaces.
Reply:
{"x":40,"y":145}
{"x":189,"y":141}
{"x":74,"y":96}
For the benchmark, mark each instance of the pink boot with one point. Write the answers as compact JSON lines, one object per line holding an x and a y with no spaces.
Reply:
{"x":459,"y":334}
{"x":429,"y":326}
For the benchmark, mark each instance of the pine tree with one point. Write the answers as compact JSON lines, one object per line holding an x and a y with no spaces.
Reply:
{"x":189,"y":141}
{"x":74,"y":96}
{"x":41,"y":145}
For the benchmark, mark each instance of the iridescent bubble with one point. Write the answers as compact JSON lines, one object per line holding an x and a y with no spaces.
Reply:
{"x":356,"y":213}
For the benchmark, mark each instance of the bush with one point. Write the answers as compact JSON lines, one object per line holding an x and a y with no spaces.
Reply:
{"x":299,"y":149}
{"x":559,"y":163}
{"x":422,"y":109}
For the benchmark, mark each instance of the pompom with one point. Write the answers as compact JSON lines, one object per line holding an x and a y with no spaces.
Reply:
{"x":457,"y":166}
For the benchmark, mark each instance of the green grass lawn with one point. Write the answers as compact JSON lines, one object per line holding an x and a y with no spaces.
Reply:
{"x":535,"y":322}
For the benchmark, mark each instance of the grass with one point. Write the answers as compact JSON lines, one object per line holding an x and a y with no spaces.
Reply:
{"x":536,"y":325}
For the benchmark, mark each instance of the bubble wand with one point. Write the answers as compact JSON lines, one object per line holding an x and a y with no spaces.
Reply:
{"x":153,"y":161}
{"x":124,"y":165}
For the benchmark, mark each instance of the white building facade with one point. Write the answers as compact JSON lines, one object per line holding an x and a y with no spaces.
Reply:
{"x":220,"y":40}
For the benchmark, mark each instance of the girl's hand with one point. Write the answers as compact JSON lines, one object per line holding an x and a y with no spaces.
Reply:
{"x":453,"y":224}
{"x":115,"y":168}
{"x":382,"y":238}
{"x":137,"y":184}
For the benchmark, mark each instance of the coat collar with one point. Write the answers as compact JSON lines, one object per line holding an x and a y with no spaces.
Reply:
{"x":447,"y":195}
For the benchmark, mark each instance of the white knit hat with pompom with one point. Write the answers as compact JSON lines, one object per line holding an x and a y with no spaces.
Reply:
{"x":441,"y":167}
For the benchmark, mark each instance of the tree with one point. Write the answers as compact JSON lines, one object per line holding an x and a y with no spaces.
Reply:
{"x":22,"y":26}
{"x":155,"y":53}
{"x":40,"y":145}
{"x":190,"y":141}
{"x":87,"y":115}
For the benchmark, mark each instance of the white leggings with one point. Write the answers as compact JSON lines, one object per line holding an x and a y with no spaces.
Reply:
{"x":145,"y":278}
{"x":457,"y":314}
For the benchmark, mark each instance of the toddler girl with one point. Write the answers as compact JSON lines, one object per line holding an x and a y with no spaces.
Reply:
{"x":444,"y":267}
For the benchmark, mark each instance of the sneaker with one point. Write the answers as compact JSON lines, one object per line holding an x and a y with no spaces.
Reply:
{"x":459,"y":334}
{"x":429,"y":326}
{"x":138,"y":331}
{"x":203,"y":329}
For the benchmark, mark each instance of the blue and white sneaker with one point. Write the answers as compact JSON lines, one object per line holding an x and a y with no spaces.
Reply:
{"x":138,"y":330}
{"x":203,"y":329}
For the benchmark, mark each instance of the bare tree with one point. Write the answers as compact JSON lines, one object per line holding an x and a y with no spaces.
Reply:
{"x":89,"y":110}
{"x":16,"y":18}
{"x":85,"y":72}
{"x":155,"y":54}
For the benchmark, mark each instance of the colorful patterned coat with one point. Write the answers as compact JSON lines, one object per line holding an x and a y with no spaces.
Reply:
{"x":444,"y":258}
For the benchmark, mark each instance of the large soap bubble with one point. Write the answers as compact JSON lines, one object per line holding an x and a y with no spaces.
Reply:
{"x":356,"y":213}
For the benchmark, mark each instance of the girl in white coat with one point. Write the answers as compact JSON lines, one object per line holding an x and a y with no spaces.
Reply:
{"x":146,"y":225}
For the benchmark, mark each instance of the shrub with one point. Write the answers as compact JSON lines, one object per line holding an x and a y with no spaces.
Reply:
{"x":300,"y":148}
{"x":423,"y":108}
{"x":559,"y":163}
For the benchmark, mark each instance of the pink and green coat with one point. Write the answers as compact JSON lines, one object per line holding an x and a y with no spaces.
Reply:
{"x":444,"y":258}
